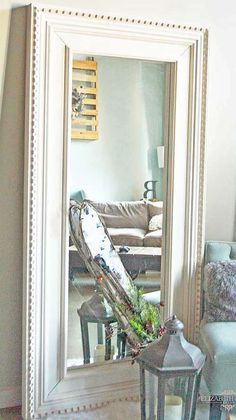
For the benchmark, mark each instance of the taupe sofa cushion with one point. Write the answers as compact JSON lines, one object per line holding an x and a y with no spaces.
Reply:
{"x":125,"y":214}
{"x":153,"y":238}
{"x":127,"y":236}
{"x":154,"y":208}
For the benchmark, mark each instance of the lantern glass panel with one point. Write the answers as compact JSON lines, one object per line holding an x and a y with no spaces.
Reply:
{"x":176,"y":394}
{"x":151,"y":386}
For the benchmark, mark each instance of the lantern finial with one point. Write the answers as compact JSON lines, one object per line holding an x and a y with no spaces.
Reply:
{"x":174,"y":325}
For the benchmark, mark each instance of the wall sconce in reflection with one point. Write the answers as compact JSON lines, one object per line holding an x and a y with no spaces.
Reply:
{"x":160,"y":156}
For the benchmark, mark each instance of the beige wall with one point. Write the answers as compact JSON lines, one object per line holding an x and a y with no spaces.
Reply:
{"x":221,"y":133}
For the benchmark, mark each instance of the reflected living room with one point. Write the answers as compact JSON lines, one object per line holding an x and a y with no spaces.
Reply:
{"x":122,"y":102}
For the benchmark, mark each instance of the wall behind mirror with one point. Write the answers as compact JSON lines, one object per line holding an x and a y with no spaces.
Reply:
{"x":113,"y":168}
{"x":130,"y":126}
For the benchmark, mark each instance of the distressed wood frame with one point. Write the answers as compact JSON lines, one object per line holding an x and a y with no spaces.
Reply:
{"x":53,"y":35}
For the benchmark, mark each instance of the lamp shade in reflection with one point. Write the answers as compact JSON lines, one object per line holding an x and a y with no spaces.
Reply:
{"x":160,"y":156}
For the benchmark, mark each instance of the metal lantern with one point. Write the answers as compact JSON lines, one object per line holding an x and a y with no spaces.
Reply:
{"x":170,"y":374}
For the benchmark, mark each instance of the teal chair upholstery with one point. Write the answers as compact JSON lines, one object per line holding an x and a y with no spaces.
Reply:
{"x":78,"y":196}
{"x":218,"y":339}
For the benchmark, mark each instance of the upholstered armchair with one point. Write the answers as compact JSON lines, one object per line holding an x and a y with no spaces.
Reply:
{"x":217,"y":337}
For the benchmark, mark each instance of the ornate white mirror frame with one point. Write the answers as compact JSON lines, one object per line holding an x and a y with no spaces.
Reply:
{"x":53,"y":35}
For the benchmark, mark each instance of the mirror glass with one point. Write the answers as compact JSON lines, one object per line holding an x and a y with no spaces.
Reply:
{"x":116,"y":162}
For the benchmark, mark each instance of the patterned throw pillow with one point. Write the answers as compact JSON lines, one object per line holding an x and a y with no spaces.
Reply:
{"x":220,"y":291}
{"x":155,"y":222}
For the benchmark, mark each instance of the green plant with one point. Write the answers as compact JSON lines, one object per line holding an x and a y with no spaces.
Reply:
{"x":145,"y":319}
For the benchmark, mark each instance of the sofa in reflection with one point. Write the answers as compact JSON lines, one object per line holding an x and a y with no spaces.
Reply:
{"x":132,"y":223}
{"x":135,"y":224}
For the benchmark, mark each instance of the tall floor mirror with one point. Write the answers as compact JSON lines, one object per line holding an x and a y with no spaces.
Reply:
{"x":115,"y":116}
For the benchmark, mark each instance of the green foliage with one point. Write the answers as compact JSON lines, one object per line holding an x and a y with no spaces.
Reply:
{"x":145,"y":319}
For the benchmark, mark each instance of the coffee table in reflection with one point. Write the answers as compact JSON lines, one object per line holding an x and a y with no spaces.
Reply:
{"x":137,"y":260}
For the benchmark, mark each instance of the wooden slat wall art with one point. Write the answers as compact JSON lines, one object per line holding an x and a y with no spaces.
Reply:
{"x":84,"y":79}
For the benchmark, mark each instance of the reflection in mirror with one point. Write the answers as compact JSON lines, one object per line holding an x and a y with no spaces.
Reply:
{"x":116,"y":297}
{"x":117,"y":163}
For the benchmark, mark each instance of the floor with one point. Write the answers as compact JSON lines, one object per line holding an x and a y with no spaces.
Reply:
{"x":10,"y":413}
{"x":120,"y":410}
{"x":116,"y":411}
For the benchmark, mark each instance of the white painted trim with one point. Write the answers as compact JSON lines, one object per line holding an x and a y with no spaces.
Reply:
{"x":10,"y":397}
{"x":52,"y":33}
